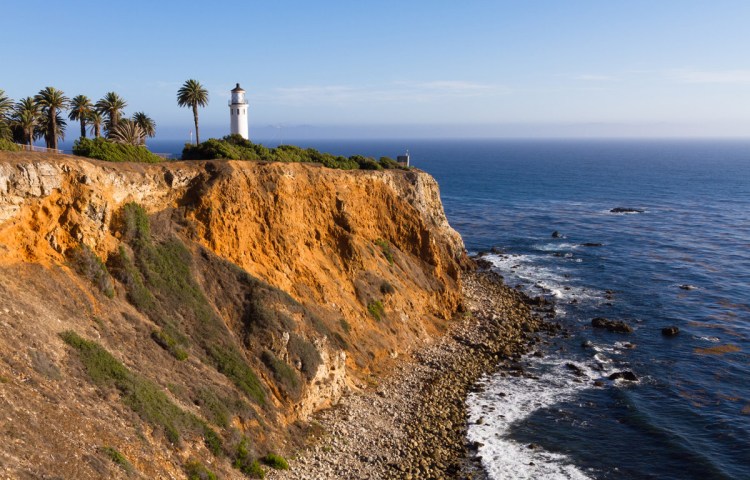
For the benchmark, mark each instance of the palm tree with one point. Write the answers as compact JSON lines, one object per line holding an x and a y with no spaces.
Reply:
{"x":127,"y":132}
{"x":111,"y":106}
{"x":6,"y":106}
{"x":42,"y":130}
{"x":192,"y":94}
{"x":26,"y":117}
{"x":80,"y":109}
{"x":147,"y":124}
{"x":96,"y":120}
{"x":52,"y":100}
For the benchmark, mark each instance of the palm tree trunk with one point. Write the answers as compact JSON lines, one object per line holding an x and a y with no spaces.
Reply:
{"x":30,"y":137}
{"x":83,"y":128}
{"x":97,"y":133}
{"x":52,"y":129}
{"x":195,"y":117}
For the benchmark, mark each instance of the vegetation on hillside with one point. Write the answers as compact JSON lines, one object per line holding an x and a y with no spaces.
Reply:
{"x":158,"y":275}
{"x":103,"y":149}
{"x":234,"y":147}
{"x":8,"y":146}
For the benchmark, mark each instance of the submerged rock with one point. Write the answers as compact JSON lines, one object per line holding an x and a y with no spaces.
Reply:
{"x":625,"y":375}
{"x":611,"y":325}
{"x":592,"y":244}
{"x":670,"y":331}
{"x":556,"y":234}
{"x":626,"y":210}
{"x":687,"y":287}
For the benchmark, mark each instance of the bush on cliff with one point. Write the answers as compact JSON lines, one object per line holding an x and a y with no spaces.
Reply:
{"x":87,"y":264}
{"x":103,"y":149}
{"x":234,"y":147}
{"x":8,"y":146}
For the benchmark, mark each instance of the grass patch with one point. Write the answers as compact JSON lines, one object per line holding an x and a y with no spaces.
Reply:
{"x":276,"y":461}
{"x":118,"y":458}
{"x":168,"y":343}
{"x":385,"y":247}
{"x":87,"y":264}
{"x":376,"y":309}
{"x":141,"y":395}
{"x":195,"y":470}
{"x":230,"y":363}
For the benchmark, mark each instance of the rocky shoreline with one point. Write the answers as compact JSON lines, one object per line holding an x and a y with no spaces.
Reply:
{"x":412,"y":425}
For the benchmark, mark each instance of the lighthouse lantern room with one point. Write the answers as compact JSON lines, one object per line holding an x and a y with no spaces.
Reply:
{"x":238,"y":112}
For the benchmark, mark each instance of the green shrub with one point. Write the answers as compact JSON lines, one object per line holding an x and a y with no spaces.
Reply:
{"x":168,"y":343}
{"x":87,"y":264}
{"x":376,"y":309}
{"x":196,"y":471}
{"x":103,"y":149}
{"x":283,"y":373}
{"x":276,"y":461}
{"x":118,"y":458}
{"x":234,"y":147}
{"x":386,"y":288}
{"x":244,"y":462}
{"x":230,"y":363}
{"x":385,"y":247}
{"x":306,"y":353}
{"x":390,"y":164}
{"x":9,"y":146}
{"x":345,"y":326}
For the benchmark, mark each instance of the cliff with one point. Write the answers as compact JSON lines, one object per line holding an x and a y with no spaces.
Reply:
{"x":196,"y":313}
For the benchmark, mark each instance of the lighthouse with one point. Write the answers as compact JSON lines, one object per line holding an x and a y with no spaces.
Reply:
{"x":238,"y":112}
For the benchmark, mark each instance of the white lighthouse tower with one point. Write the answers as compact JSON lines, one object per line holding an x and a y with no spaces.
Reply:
{"x":238,"y":112}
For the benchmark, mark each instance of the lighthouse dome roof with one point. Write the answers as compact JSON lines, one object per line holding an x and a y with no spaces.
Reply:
{"x":238,"y":88}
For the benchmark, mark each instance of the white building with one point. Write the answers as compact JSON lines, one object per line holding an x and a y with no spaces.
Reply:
{"x":238,"y":112}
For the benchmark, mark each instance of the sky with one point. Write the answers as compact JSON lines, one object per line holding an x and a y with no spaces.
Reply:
{"x":407,"y":68}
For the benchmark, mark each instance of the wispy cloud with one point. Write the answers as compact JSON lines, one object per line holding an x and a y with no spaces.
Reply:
{"x":383,"y":93}
{"x":711,"y":76}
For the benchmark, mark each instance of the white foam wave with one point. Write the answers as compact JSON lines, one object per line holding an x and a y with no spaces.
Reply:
{"x":506,"y":401}
{"x":540,"y":280}
{"x":556,"y":246}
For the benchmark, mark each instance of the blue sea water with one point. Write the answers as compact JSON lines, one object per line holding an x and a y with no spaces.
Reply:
{"x":688,"y":415}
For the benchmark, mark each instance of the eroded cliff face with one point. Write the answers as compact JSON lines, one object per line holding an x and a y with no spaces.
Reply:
{"x":309,"y":279}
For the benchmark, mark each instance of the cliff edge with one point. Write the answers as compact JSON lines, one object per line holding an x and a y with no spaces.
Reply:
{"x":157,"y":320}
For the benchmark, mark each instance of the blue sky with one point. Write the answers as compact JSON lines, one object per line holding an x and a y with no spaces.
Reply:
{"x":416,"y":68}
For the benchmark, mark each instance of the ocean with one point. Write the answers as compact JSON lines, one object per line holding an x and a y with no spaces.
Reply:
{"x":683,"y":261}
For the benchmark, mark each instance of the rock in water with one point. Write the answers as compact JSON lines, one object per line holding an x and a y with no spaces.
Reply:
{"x":591,"y":244}
{"x":611,"y":325}
{"x":556,"y":234}
{"x":626,"y":210}
{"x":670,"y":331}
{"x":687,"y":287}
{"x":626,"y":375}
